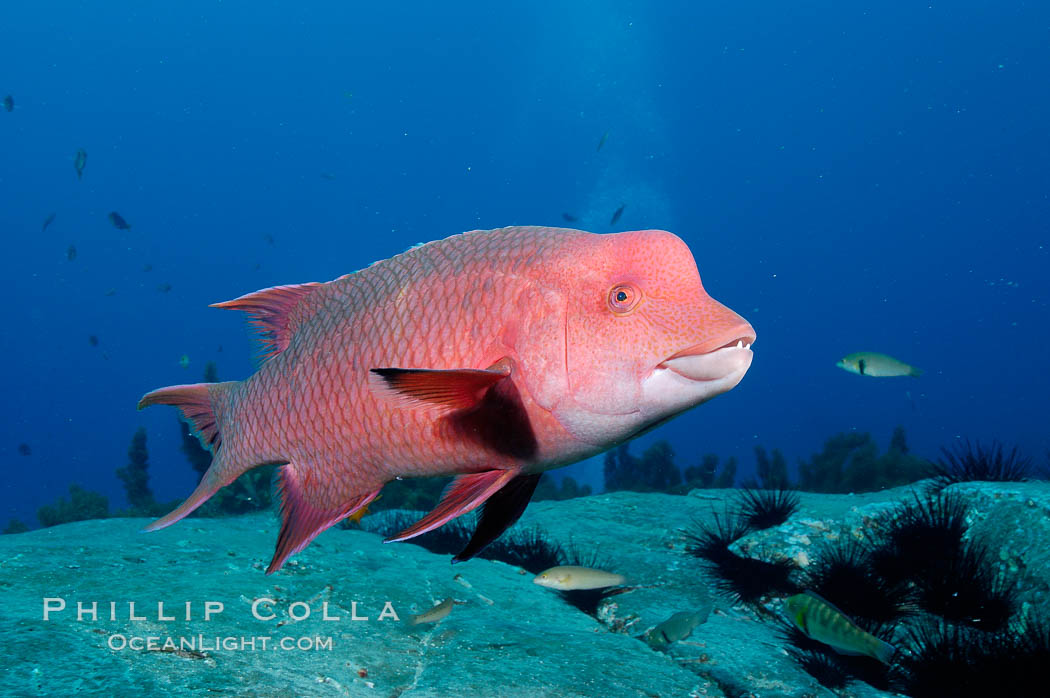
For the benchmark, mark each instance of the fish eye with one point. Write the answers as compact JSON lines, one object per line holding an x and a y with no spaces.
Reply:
{"x":623,"y":298}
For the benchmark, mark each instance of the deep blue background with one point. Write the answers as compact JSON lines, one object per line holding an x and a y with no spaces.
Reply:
{"x":848,"y":179}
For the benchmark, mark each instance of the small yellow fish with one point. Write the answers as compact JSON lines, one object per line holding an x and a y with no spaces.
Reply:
{"x":824,"y":623}
{"x":869,"y":363}
{"x":363,"y":511}
{"x":570,"y":578}
{"x":434,"y":614}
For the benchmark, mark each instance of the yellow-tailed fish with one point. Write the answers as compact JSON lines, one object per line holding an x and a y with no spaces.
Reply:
{"x":870,"y":363}
{"x":434,"y":614}
{"x":363,"y":511}
{"x":821,"y":621}
{"x":571,"y":577}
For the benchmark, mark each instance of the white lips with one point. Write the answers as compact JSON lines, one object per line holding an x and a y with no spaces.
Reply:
{"x":714,"y":365}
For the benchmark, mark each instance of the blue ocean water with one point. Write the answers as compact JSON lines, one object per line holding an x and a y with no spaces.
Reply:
{"x":848,"y":177}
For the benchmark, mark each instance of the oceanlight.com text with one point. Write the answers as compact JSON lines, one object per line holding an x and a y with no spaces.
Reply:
{"x":210,"y":643}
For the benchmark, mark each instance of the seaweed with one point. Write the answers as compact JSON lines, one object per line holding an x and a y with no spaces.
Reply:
{"x":850,"y":462}
{"x":655,"y":471}
{"x":767,"y":508}
{"x":972,"y":462}
{"x":15,"y":526}
{"x":82,"y":505}
{"x":772,"y":472}
{"x":567,"y":489}
{"x":135,"y":474}
{"x":707,"y":475}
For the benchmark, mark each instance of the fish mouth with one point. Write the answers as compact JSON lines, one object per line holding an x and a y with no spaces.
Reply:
{"x":714,"y":359}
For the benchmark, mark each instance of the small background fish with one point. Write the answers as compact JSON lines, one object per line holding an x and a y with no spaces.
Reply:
{"x":869,"y":363}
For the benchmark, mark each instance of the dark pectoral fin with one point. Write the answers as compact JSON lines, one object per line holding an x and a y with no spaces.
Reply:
{"x":458,"y":388}
{"x":466,"y":493}
{"x":499,"y":513}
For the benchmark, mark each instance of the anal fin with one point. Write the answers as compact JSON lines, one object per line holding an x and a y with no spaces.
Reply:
{"x":302,"y":521}
{"x":499,"y":513}
{"x":466,"y":493}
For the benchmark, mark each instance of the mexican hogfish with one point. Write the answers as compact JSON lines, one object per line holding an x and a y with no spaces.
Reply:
{"x":491,"y":355}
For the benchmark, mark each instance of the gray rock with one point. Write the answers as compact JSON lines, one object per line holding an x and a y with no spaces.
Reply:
{"x":505,"y":636}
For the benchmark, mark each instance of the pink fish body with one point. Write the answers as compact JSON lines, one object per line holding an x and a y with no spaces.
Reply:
{"x":490,"y":355}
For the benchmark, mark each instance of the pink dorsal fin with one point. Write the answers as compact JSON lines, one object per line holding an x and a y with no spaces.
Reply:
{"x":302,"y":521}
{"x":194,"y":402}
{"x":270,"y":310}
{"x":466,"y":493}
{"x":457,"y":389}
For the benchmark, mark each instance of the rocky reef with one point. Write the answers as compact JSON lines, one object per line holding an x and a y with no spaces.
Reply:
{"x":503,"y":636}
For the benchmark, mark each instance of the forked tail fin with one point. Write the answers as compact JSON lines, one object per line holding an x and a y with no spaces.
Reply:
{"x":196,"y":403}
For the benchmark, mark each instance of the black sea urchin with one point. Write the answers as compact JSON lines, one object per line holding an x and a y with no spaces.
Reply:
{"x":711,"y":541}
{"x":919,"y":536}
{"x":767,"y":508}
{"x":972,"y":462}
{"x":968,"y":588}
{"x":842,"y":573}
{"x":531,"y":549}
{"x":744,"y":579}
{"x":950,"y":660}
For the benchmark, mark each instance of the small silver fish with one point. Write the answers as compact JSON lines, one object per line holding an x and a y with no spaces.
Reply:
{"x":678,"y":627}
{"x":870,"y":363}
{"x":571,"y":577}
{"x":434,"y":614}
